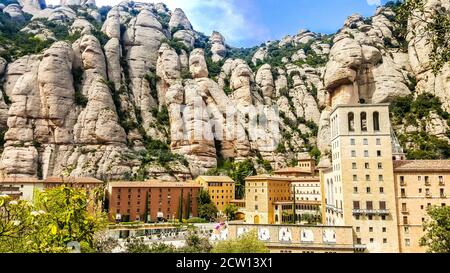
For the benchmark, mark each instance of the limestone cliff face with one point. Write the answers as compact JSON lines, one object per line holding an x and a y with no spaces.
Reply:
{"x":127,"y":99}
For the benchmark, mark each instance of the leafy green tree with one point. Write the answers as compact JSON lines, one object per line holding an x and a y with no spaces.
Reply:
{"x":207,"y":211}
{"x":230,"y":210}
{"x":203,"y":197}
{"x":246,"y":243}
{"x":196,"y":244}
{"x":137,"y":245}
{"x":58,"y":217}
{"x":437,"y":230}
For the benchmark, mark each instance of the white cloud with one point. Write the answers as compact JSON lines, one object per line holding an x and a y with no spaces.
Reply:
{"x":374,"y":2}
{"x":225,"y":16}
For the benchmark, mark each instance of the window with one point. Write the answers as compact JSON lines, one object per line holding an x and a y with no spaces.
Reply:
{"x":364,"y":122}
{"x":354,"y":166}
{"x":384,"y":241}
{"x":366,"y":153}
{"x":352,"y":141}
{"x":405,"y":220}
{"x":367,"y":177}
{"x":353,"y":153}
{"x":383,"y":229}
{"x":355,"y":189}
{"x":358,"y":241}
{"x":256,"y":207}
{"x":378,"y":141}
{"x":358,"y":229}
{"x":380,"y":165}
{"x":441,"y":179}
{"x":370,"y":229}
{"x":368,"y":189}
{"x":378,"y":153}
{"x":355,"y":177}
{"x":351,"y":122}
{"x":365,"y":141}
{"x":371,"y":240}
{"x":380,"y":177}
{"x":382,"y":205}
{"x":356,"y":205}
{"x":366,"y":165}
{"x":407,"y":242}
{"x":381,"y":190}
{"x":376,"y":121}
{"x":406,"y":229}
{"x":369,"y":205}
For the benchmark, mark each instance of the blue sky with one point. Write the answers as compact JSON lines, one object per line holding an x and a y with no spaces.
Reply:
{"x":246,"y":23}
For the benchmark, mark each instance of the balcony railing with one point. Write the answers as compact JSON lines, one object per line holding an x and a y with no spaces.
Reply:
{"x":443,"y":196}
{"x":427,"y":183}
{"x":370,"y":212}
{"x":402,"y":183}
{"x":441,"y":183}
{"x":428,"y":195}
{"x":405,"y":211}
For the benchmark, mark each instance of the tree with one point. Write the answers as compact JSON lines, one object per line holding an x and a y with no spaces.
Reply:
{"x":246,"y":243}
{"x":437,"y":230}
{"x":203,"y":197}
{"x":137,"y":245}
{"x":207,"y":211}
{"x":196,"y":244}
{"x":230,"y":210}
{"x":58,"y":217}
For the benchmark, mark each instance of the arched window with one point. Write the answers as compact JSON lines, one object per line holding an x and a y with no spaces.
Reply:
{"x":363,"y":121}
{"x":351,"y":122}
{"x":376,"y":121}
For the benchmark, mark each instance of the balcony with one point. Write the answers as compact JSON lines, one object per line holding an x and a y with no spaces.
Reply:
{"x":441,"y":183}
{"x":427,"y":183}
{"x":428,"y":195}
{"x":383,"y":212}
{"x":358,"y":211}
{"x":403,"y":183}
{"x":405,"y":211}
{"x":443,"y":196}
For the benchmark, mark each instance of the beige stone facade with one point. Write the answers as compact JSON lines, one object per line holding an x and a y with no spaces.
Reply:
{"x":359,"y":188}
{"x":299,"y":239}
{"x":261,"y":192}
{"x":419,"y":184}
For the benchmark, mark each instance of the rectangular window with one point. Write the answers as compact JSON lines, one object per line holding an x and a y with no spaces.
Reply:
{"x":378,"y":153}
{"x":383,"y":229}
{"x":380,"y":165}
{"x":382,"y":205}
{"x":366,"y":165}
{"x":366,"y":153}
{"x":367,"y":177}
{"x":353,"y":153}
{"x":352,"y":141}
{"x":381,"y":190}
{"x":355,"y":177}
{"x":407,"y":242}
{"x":354,"y":166}
{"x":404,"y":208}
{"x":378,"y":141}
{"x":365,"y":141}
{"x":356,"y":205}
{"x":405,"y":220}
{"x":380,"y":177}
{"x":368,"y":189}
{"x":369,"y":205}
{"x":355,"y":189}
{"x":370,"y":229}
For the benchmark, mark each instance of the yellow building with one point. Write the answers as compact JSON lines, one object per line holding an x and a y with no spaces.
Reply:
{"x":359,"y":187}
{"x":261,"y":194}
{"x":419,"y":184}
{"x":220,"y":188}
